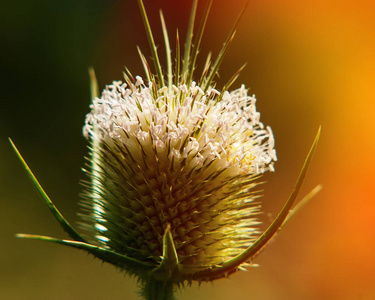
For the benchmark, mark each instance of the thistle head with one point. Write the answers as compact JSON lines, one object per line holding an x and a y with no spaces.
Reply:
{"x":173,"y":168}
{"x":179,"y":158}
{"x":184,"y":158}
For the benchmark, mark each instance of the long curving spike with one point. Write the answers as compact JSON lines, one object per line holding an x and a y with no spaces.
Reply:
{"x":59,"y":217}
{"x":167,"y":50}
{"x":152,"y":44}
{"x":105,"y":255}
{"x":197,"y":42}
{"x":188,"y":42}
{"x":223,"y":51}
{"x":256,"y":247}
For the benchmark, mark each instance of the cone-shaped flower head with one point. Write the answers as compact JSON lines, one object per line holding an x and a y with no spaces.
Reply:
{"x":182,"y":158}
{"x":173,"y":167}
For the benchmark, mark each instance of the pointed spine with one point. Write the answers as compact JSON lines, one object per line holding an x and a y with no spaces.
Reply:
{"x":223,"y":51}
{"x":105,"y":255}
{"x":197,"y":43}
{"x":178,"y":61}
{"x":188,"y":43}
{"x":167,"y":50}
{"x":233,"y":264}
{"x":58,"y":216}
{"x":152,"y":44}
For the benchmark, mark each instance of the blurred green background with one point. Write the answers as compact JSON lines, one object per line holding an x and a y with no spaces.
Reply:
{"x":309,"y":63}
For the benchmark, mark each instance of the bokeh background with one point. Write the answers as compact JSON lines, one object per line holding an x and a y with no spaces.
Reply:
{"x":310,"y":63}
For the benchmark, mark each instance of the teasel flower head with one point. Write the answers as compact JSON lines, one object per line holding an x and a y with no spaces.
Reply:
{"x":185,"y":159}
{"x":173,"y":171}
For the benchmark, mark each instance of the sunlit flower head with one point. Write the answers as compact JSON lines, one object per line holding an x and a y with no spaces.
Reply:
{"x":187,"y":158}
{"x":173,"y":167}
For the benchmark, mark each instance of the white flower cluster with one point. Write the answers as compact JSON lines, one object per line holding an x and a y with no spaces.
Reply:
{"x":184,"y":123}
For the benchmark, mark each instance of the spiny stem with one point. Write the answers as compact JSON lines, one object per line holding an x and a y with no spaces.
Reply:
{"x":157,"y":290}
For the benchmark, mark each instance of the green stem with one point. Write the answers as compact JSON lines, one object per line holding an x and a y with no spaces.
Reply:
{"x":158,"y":290}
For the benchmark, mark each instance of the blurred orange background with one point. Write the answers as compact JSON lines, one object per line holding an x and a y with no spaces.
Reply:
{"x":309,"y":63}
